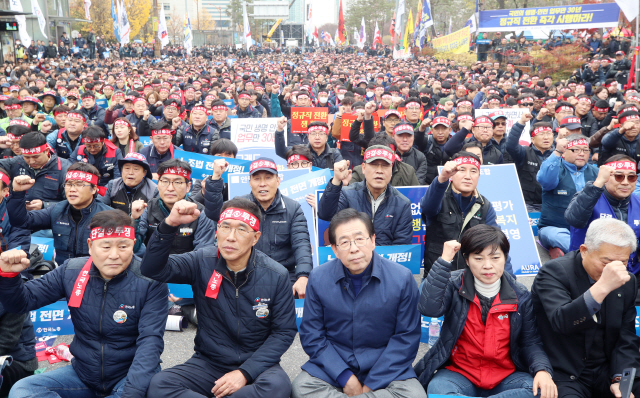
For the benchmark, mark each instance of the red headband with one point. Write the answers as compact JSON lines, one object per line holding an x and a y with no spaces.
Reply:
{"x":121,"y":123}
{"x":12,"y":137}
{"x":603,"y":110}
{"x":318,"y":128}
{"x":247,"y":96}
{"x":464,"y":103}
{"x":633,"y":98}
{"x":178,"y":171}
{"x":551,"y":101}
{"x":19,"y":122}
{"x":412,"y":104}
{"x":539,"y":130}
{"x":577,"y":142}
{"x":199,"y":108}
{"x":92,"y":140}
{"x":585,"y":99}
{"x":629,"y":117}
{"x":139,"y":99}
{"x":125,"y":232}
{"x":259,"y":164}
{"x":233,"y":213}
{"x":303,"y":95}
{"x":294,"y":158}
{"x":482,"y":119}
{"x":622,"y":165}
{"x":467,"y":160}
{"x":564,"y":108}
{"x":36,"y":150}
{"x":82,"y":176}
{"x":219,"y":108}
{"x":161,"y":132}
{"x":5,"y":178}
{"x":12,"y":107}
{"x":74,"y":115}
{"x":460,"y":118}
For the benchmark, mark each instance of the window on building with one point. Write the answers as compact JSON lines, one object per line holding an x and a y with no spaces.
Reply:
{"x":167,"y":7}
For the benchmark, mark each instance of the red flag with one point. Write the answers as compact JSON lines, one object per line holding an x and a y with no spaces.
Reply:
{"x":376,"y":36}
{"x":341,"y":26}
{"x":315,"y":32}
{"x":392,"y":29}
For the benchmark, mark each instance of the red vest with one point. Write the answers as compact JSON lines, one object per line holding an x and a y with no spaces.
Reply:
{"x":482,"y":353}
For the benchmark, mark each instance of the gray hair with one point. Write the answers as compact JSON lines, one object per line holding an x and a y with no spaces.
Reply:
{"x":611,"y":231}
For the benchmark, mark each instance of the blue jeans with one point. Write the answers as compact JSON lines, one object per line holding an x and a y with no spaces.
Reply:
{"x":446,"y":382}
{"x":555,"y":237}
{"x":59,"y":383}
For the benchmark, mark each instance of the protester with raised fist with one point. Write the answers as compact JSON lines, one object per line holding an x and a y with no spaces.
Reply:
{"x":490,"y":303}
{"x":584,"y":305}
{"x":101,"y":153}
{"x":246,"y":315}
{"x":135,"y":184}
{"x":118,"y":315}
{"x":321,"y":155}
{"x":67,"y":219}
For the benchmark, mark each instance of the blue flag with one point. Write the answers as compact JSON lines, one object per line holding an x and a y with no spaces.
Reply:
{"x":114,"y":16}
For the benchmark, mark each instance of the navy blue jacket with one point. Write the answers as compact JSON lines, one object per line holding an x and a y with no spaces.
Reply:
{"x":230,"y":336}
{"x":199,"y":141}
{"x":249,"y":112}
{"x":69,"y":239}
{"x":49,"y":179}
{"x":154,"y":158}
{"x":392,"y":222}
{"x":285,"y":235}
{"x":106,"y":161}
{"x":95,"y":117}
{"x":224,"y":131}
{"x":59,"y":141}
{"x":22,"y":346}
{"x":12,"y":237}
{"x":450,"y":294}
{"x":338,"y":332}
{"x":104,"y":351}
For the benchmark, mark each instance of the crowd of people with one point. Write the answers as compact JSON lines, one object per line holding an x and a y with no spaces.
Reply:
{"x":126,"y":219}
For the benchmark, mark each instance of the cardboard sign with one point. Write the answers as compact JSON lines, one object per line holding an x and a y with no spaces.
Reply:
{"x":301,"y":117}
{"x":347,"y":121}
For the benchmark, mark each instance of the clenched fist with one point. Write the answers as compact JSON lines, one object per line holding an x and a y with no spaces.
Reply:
{"x":23,"y":183}
{"x":14,"y":261}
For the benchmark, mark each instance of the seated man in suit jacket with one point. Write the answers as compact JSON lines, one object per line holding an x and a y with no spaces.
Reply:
{"x":584,"y":304}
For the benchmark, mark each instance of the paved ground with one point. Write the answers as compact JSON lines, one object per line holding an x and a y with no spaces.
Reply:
{"x":179,"y":345}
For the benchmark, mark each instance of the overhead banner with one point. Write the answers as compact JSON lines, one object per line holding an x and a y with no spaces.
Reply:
{"x":456,"y":42}
{"x":409,"y":256}
{"x":585,"y":16}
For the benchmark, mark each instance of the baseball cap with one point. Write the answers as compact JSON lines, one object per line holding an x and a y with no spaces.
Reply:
{"x":263,"y":164}
{"x":441,"y":120}
{"x":571,"y":123}
{"x":403,"y":128}
{"x":376,"y":152}
{"x":136,"y":158}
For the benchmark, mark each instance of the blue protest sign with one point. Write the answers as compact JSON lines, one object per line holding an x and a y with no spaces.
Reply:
{"x":229,"y":103}
{"x":180,"y":291}
{"x":255,"y":138}
{"x":146,"y":141}
{"x":202,"y":165}
{"x":239,"y":182}
{"x":52,"y":320}
{"x":45,"y":245}
{"x":299,"y":311}
{"x":534,"y":217}
{"x":583,"y":16}
{"x":406,"y":255}
{"x":102,"y":103}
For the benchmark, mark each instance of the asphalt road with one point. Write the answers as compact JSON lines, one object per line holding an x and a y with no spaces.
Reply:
{"x":178,"y":346}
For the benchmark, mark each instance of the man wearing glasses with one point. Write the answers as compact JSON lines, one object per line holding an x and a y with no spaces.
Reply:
{"x":561,"y":175}
{"x":321,"y":155}
{"x":623,"y":140}
{"x":348,"y":354}
{"x":483,"y":133}
{"x":609,"y":196}
{"x":174,"y":182}
{"x":528,"y":159}
{"x":246,"y":314}
{"x":69,"y":219}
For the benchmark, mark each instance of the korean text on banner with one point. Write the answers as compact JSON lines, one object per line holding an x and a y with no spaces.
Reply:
{"x":513,"y":115}
{"x":347,"y":121}
{"x":202,"y":165}
{"x":301,"y":117}
{"x":584,"y":16}
{"x":456,"y":42}
{"x":52,"y":320}
{"x":409,"y":256}
{"x":499,"y":183}
{"x":256,"y":138}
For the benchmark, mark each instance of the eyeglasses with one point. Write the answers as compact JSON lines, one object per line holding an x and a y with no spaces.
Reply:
{"x":484,"y":128}
{"x":527,"y":103}
{"x":318,"y":134}
{"x":579,"y":151}
{"x":629,"y":177}
{"x":176,"y":184}
{"x":75,"y":186}
{"x":241,"y":231}
{"x":500,"y":123}
{"x":545,"y":133}
{"x":303,"y":164}
{"x":346,"y":244}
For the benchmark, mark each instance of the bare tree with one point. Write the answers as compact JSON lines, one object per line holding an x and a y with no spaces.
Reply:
{"x":175,"y":27}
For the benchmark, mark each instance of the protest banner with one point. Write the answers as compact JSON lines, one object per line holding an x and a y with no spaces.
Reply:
{"x":500,"y":184}
{"x":229,"y":103}
{"x":409,"y":256}
{"x":456,"y":42}
{"x":102,"y":103}
{"x":255,"y":138}
{"x":513,"y":115}
{"x":45,"y":245}
{"x":146,"y":141}
{"x":202,"y":165}
{"x":52,"y":320}
{"x":583,"y":16}
{"x":301,"y":117}
{"x":347,"y":121}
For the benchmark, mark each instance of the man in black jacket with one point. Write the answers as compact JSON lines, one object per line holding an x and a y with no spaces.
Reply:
{"x":584,"y":304}
{"x":246,"y":315}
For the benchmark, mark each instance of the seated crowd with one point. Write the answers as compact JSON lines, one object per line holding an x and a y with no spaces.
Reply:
{"x":127,"y":218}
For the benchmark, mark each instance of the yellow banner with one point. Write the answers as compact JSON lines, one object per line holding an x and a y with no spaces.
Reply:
{"x":457,"y":42}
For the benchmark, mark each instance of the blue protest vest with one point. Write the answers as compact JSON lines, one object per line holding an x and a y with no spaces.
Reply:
{"x":603,"y":209}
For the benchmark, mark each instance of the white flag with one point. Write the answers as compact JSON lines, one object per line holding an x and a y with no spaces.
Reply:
{"x":399,"y":21}
{"x":363,"y":35}
{"x":35,"y":9}
{"x":163,"y":34}
{"x":188,"y":36}
{"x":630,"y":8}
{"x":123,"y":22}
{"x":247,"y":28}
{"x":87,"y":4}
{"x":15,"y":5}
